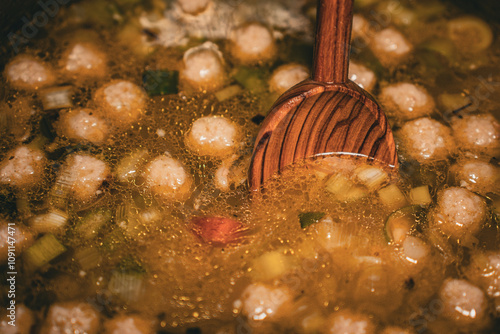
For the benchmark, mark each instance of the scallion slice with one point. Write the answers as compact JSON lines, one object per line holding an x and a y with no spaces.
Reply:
{"x":88,"y":227}
{"x":228,"y":92}
{"x":57,"y":97}
{"x":43,"y":251}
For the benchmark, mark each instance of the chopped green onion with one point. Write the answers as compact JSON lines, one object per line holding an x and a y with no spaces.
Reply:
{"x":59,"y":194}
{"x":43,"y":251}
{"x":392,"y":197}
{"x":420,"y":196}
{"x":128,"y":167}
{"x":337,"y":184}
{"x":308,"y":218}
{"x":88,"y":258}
{"x":320,"y":174}
{"x":160,"y":82}
{"x":127,"y":286}
{"x":344,"y":189}
{"x":127,"y":281}
{"x":88,"y":227}
{"x":354,"y":194}
{"x":51,"y":221}
{"x":228,"y":92}
{"x":57,"y":97}
{"x":372,"y":177}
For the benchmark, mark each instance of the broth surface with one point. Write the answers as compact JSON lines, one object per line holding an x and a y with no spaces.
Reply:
{"x":127,"y":212}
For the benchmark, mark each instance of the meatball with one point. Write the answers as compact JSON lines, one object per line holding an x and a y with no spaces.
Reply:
{"x":484,"y":270}
{"x":22,"y":236}
{"x":460,"y":213}
{"x":128,"y":324}
{"x":213,"y":136}
{"x":24,"y":321}
{"x":476,"y":175}
{"x":463,"y":303}
{"x":287,"y":76}
{"x":71,"y":317}
{"x":121,"y":102}
{"x":261,"y":302}
{"x":203,"y":67}
{"x":390,"y":46}
{"x":84,"y":61}
{"x":167,"y":178}
{"x":362,"y":75}
{"x":426,"y":140}
{"x":85,"y":174}
{"x":29,"y":73}
{"x":193,"y":7}
{"x":252,"y":43}
{"x":82,"y":125}
{"x":349,"y":322}
{"x":477,"y":133}
{"x":22,"y":167}
{"x":406,"y":101}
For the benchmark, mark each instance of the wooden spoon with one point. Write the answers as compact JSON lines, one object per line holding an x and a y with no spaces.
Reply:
{"x":326,"y":115}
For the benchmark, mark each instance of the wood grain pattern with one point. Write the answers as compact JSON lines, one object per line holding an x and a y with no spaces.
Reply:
{"x":326,"y":115}
{"x":314,"y":119}
{"x":333,"y":35}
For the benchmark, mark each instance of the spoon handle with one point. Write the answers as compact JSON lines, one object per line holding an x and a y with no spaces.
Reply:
{"x":333,"y":35}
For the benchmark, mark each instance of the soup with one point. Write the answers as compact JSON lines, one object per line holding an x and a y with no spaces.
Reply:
{"x":128,"y":130}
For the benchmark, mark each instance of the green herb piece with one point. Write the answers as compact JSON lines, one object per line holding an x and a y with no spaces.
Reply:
{"x":308,"y":218}
{"x":160,"y":82}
